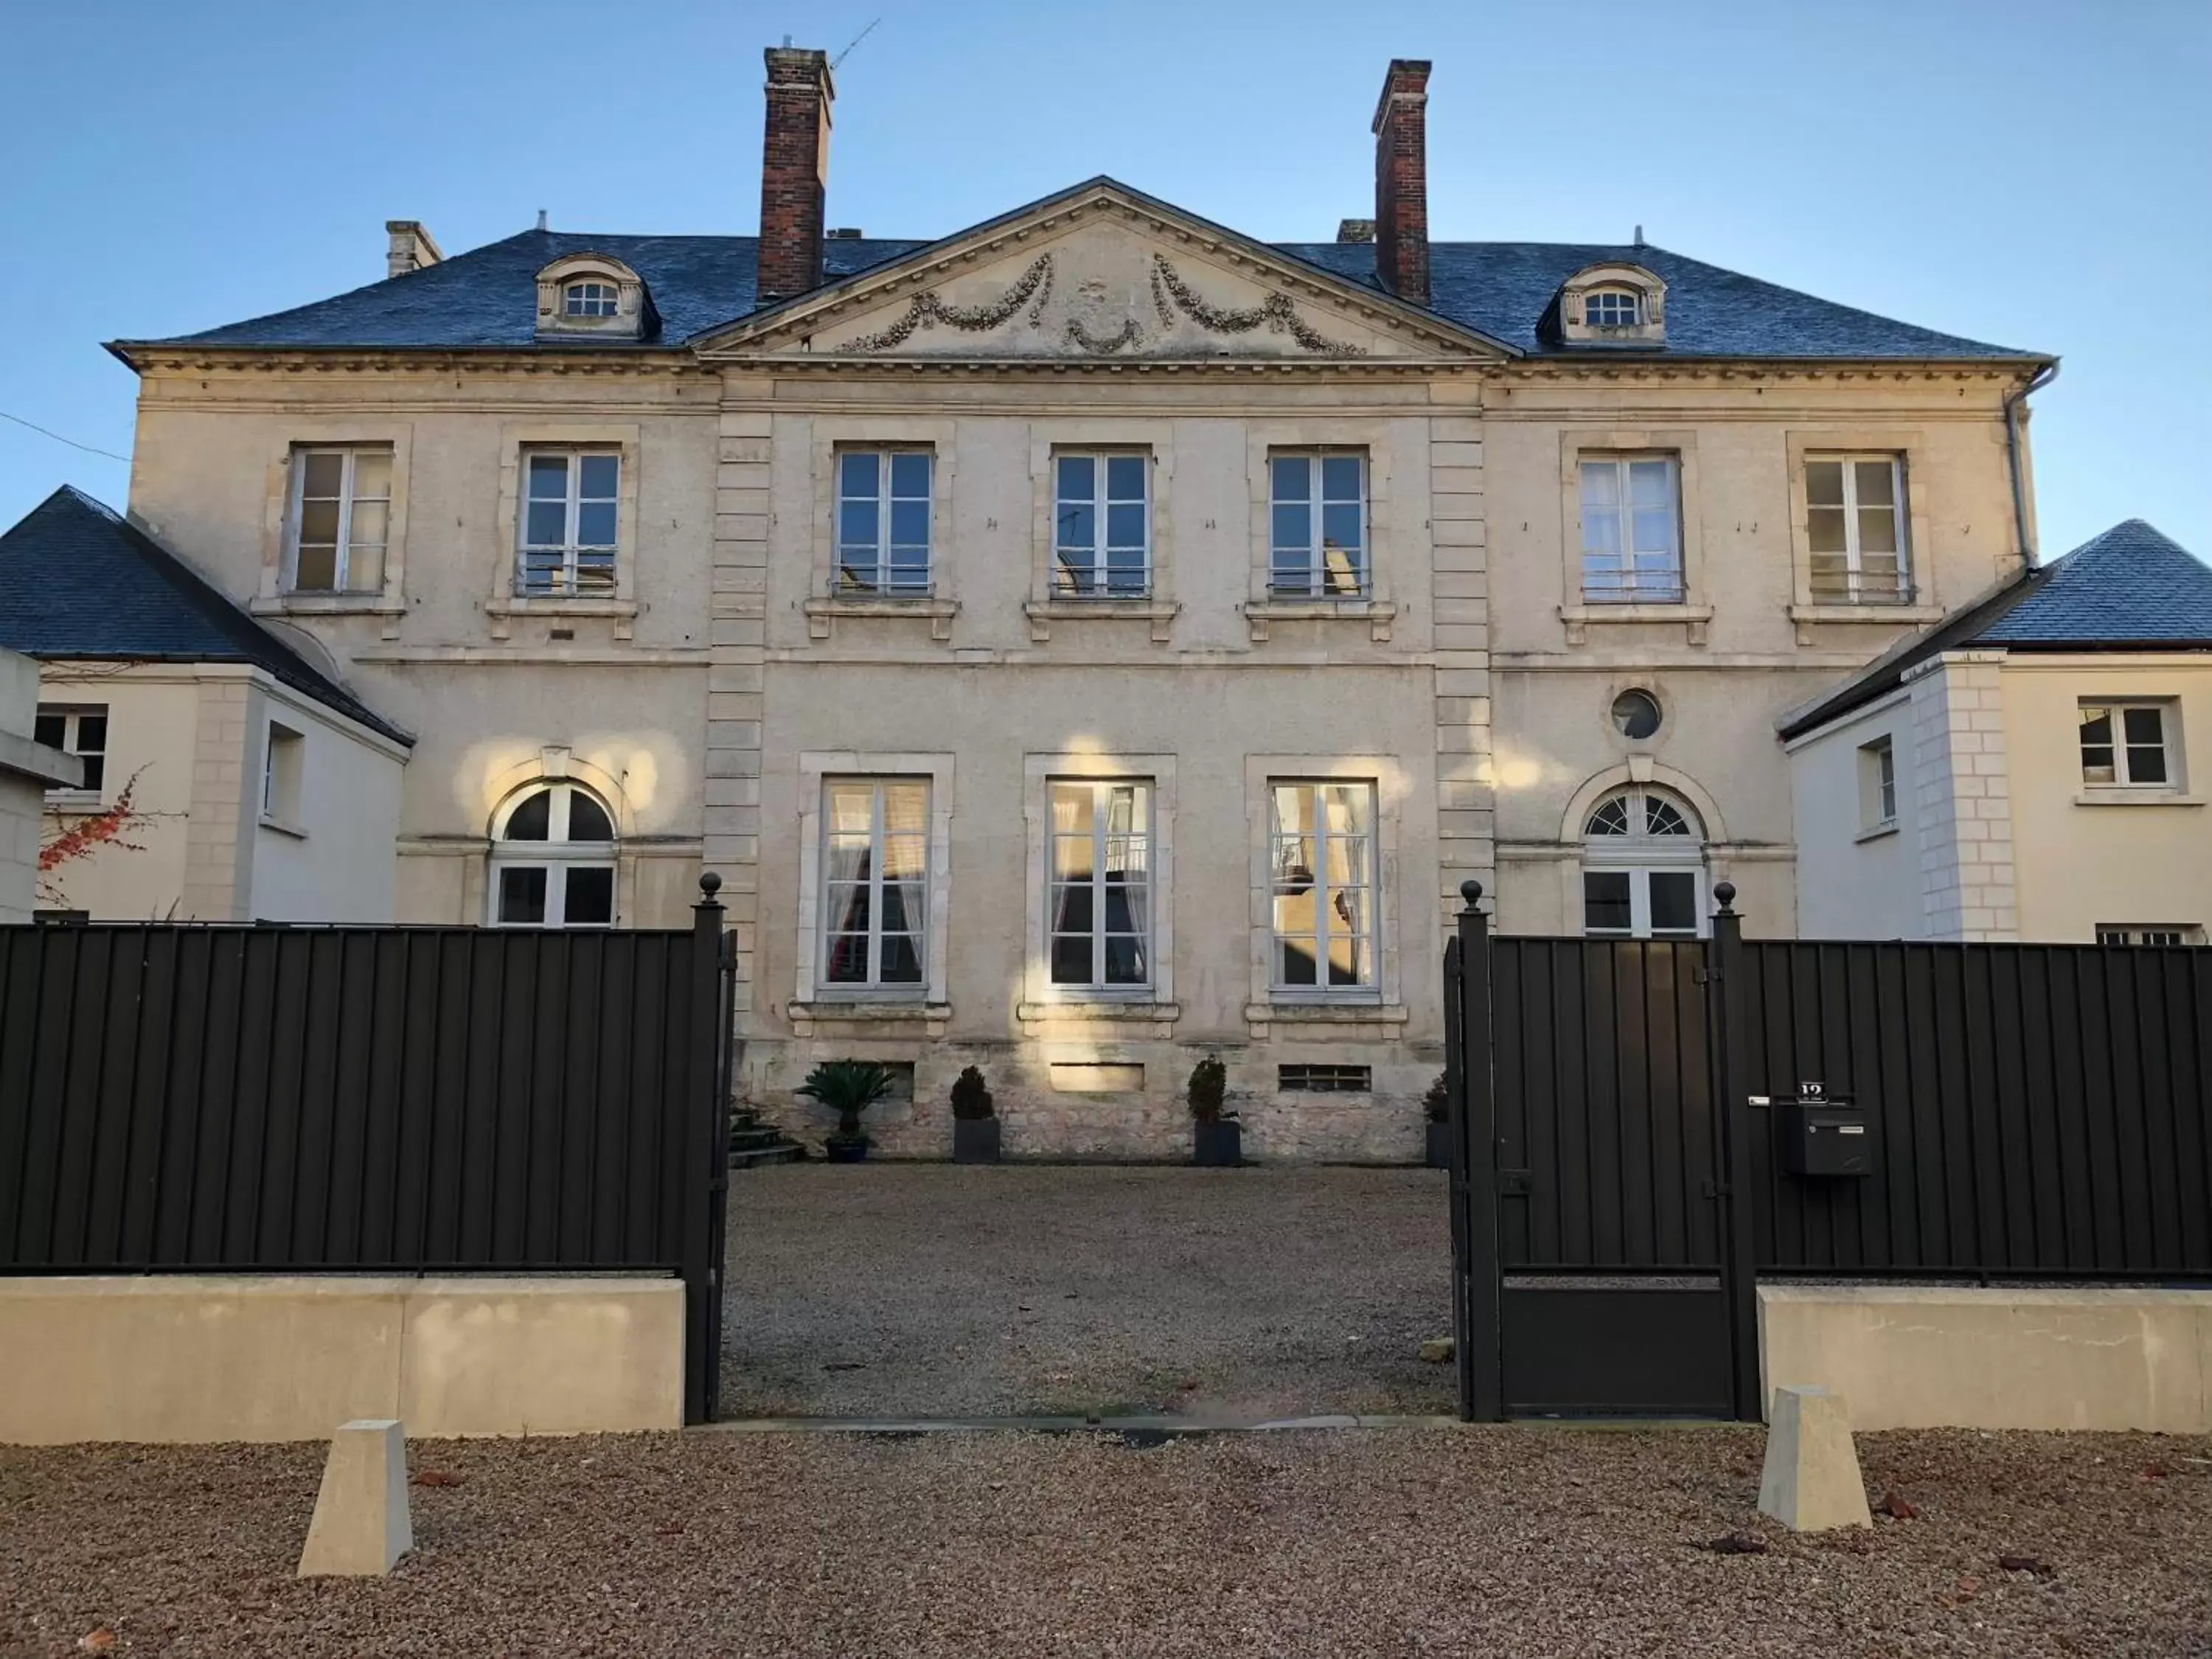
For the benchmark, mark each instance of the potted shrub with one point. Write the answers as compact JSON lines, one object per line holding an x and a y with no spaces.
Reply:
{"x":1218,"y":1139}
{"x":848,"y":1088}
{"x":974,"y":1125}
{"x":1437,"y":1104}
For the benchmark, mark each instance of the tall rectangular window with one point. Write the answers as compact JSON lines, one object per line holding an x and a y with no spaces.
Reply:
{"x":1855,"y":527}
{"x":1322,"y":857}
{"x":2124,"y":745}
{"x":340,"y":519}
{"x":883,"y":522}
{"x":1631,"y":530}
{"x":1099,"y":907}
{"x":1318,"y":500}
{"x":875,"y":891}
{"x":284,"y":770}
{"x":1877,"y":784}
{"x":1101,"y":527}
{"x":79,"y":732}
{"x":570,"y":508}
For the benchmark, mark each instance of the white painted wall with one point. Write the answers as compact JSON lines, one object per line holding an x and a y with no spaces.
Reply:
{"x":333,"y":861}
{"x":1855,"y":882}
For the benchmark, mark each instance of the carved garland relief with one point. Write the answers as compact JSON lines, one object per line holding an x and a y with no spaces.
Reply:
{"x":1171,"y":295}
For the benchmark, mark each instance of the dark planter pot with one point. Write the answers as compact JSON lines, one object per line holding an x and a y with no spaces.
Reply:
{"x":839,"y":1150}
{"x":1439,"y":1155}
{"x":1218,"y":1146}
{"x":975,"y":1140}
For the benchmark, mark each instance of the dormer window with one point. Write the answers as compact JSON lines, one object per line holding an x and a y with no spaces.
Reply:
{"x":1613,"y":308}
{"x":1608,"y":305}
{"x":594,"y":295}
{"x":591,"y":299}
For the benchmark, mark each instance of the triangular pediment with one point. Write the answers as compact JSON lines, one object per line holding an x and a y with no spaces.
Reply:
{"x":1100,"y":273}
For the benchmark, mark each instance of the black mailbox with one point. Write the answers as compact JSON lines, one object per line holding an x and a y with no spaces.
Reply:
{"x":1824,"y":1135}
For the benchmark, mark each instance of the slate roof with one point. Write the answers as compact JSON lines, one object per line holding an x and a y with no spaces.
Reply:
{"x":2129,"y":589}
{"x":486,"y":299}
{"x":77,"y":581}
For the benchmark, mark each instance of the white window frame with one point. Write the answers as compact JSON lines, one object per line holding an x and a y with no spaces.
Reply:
{"x":1100,"y":503}
{"x":342,"y":566}
{"x":1878,"y":784}
{"x":1601,"y":298}
{"x":875,"y":987}
{"x":72,"y":716}
{"x":1640,"y":856}
{"x":1369,"y":988}
{"x":556,"y":853}
{"x":1631,"y":589}
{"x":1854,"y":569}
{"x":1043,"y":1001}
{"x":881,"y":584}
{"x":1097,"y":985}
{"x":284,"y":787}
{"x":1316,"y":583}
{"x":2151,"y":934}
{"x":570,"y":549}
{"x":2116,"y":710}
{"x":604,"y":300}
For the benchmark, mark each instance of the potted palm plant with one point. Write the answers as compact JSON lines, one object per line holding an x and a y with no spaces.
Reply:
{"x":848,"y":1088}
{"x":974,"y":1125}
{"x":1218,"y":1139}
{"x":1437,"y":1104}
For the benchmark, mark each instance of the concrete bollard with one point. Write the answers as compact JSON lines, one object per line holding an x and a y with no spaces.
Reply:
{"x":361,"y":1525}
{"x":1811,"y":1481}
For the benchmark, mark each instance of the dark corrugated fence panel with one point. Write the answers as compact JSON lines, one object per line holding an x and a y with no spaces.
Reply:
{"x":270,"y":1098}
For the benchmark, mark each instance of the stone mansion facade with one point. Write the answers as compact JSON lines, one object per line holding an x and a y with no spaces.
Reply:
{"x":1093,"y":639}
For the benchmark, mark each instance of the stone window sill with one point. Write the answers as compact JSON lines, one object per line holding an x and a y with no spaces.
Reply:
{"x":820,"y":613}
{"x":1880,"y":614}
{"x":2137,"y":798}
{"x":1878,"y":832}
{"x":1043,"y":613}
{"x":73,"y":800}
{"x":1378,"y":614}
{"x":1578,"y":617}
{"x":327,"y":605}
{"x":1073,"y":1011}
{"x":897,"y":1018}
{"x":501,"y":610}
{"x":284,"y":826}
{"x":1281,"y":1010}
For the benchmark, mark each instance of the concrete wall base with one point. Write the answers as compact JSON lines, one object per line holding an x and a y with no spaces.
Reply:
{"x":1914,"y":1356}
{"x":265,"y":1356}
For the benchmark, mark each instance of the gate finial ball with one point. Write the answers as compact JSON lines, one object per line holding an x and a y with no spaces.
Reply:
{"x":1724,"y":895}
{"x":710,"y":883}
{"x":1470,"y":890}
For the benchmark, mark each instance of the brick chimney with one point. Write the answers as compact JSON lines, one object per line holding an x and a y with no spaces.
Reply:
{"x":408,"y":247}
{"x":794,"y":169}
{"x":1401,"y":181}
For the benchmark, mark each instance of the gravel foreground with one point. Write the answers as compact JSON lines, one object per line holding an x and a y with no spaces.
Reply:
{"x":1362,"y":1543}
{"x":933,"y":1290}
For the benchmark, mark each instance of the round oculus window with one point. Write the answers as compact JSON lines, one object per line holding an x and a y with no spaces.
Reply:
{"x":1636,"y":713}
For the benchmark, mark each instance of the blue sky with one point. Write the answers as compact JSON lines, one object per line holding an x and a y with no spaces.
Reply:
{"x":2034,"y":173}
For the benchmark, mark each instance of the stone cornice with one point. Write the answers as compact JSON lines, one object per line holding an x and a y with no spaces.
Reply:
{"x":415,"y":360}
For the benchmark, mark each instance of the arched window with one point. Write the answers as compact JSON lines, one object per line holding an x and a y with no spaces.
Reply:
{"x":1643,"y":867}
{"x":553,"y":859}
{"x":589,"y":299}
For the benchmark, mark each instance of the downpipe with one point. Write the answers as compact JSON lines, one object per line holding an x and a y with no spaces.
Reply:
{"x":2042,"y":378}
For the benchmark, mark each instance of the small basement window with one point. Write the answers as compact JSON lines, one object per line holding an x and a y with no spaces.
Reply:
{"x":2167,"y":933}
{"x":1325,"y":1079}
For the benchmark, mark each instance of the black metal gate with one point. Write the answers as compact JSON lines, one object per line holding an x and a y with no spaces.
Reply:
{"x":1601,"y":1268}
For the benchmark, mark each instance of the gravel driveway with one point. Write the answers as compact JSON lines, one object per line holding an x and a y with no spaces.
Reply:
{"x":1382,"y":1542}
{"x":933,"y":1290}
